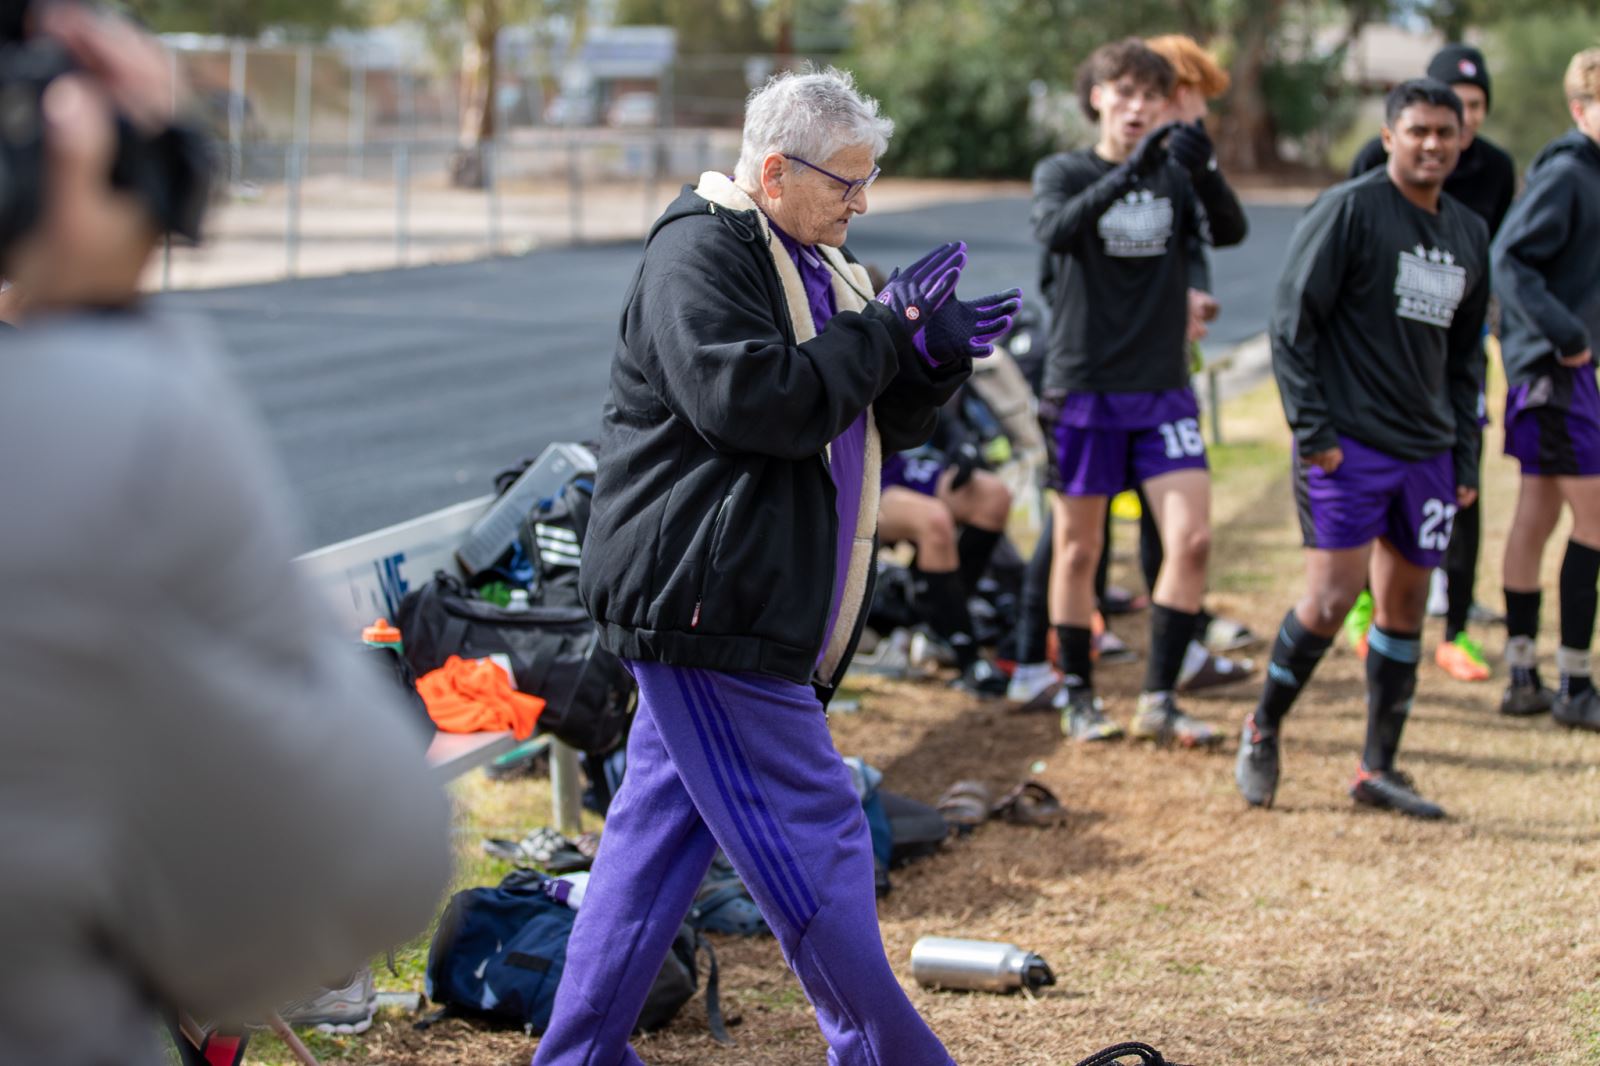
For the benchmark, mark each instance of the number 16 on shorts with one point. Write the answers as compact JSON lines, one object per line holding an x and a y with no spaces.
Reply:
{"x":1182,"y":438}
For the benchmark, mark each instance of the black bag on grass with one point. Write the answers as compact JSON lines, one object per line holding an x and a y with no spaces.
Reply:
{"x":555,"y":654}
{"x":499,"y":954}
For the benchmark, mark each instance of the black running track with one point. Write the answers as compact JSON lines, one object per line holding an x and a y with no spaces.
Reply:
{"x":394,"y":393}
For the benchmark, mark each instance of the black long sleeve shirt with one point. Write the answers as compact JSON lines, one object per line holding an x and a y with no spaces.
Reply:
{"x":1118,"y":255}
{"x":1375,"y":333}
{"x":1485,"y":178}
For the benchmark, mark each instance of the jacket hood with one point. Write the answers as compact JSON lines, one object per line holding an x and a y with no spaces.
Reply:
{"x":1573,"y":142}
{"x":716,"y":194}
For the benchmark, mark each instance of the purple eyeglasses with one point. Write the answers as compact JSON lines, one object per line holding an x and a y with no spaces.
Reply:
{"x":852,"y":189}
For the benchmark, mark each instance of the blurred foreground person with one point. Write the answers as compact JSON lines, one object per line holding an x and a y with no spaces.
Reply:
{"x":206,"y":802}
{"x":1376,"y":348}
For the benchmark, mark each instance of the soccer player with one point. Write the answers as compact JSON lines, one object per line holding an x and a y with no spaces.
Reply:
{"x":1376,"y":350}
{"x":1117,"y":220}
{"x":956,"y":515}
{"x":1546,"y":266}
{"x":1485,"y":180}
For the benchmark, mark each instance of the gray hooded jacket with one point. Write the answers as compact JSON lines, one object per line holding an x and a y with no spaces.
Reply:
{"x":206,"y":798}
{"x":1546,"y":260}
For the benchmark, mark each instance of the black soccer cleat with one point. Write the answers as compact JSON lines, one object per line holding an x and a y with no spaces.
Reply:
{"x":982,"y":679}
{"x":1255,"y":771}
{"x":1526,"y":700}
{"x":1392,"y":790}
{"x":1580,"y":712}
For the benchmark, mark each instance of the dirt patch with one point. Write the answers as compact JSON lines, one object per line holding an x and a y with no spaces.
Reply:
{"x":1314,"y":933}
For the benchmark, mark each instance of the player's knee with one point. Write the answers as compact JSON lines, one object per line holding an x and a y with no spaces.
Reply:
{"x":1329,"y":605}
{"x":937,"y":531}
{"x":995,"y":505}
{"x":1080,"y":558}
{"x":1193,"y":549}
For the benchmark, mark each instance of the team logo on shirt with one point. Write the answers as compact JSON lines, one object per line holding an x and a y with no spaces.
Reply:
{"x":1137,"y":226}
{"x":1429,"y":286}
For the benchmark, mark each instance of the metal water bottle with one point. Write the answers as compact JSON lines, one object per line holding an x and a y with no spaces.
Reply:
{"x":977,"y":965}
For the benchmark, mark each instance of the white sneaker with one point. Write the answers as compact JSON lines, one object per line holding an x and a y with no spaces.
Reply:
{"x":347,"y":1010}
{"x":1032,"y":685}
{"x":1438,"y":594}
{"x":1195,"y":657}
{"x":889,"y":657}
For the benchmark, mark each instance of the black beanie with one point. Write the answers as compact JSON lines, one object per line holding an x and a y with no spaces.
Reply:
{"x":1455,"y":64}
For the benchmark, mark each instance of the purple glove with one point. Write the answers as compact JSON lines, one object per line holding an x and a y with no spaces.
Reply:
{"x":967,"y":329}
{"x":918,"y":292}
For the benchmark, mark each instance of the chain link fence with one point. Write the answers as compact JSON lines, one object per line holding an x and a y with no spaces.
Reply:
{"x":332,"y":160}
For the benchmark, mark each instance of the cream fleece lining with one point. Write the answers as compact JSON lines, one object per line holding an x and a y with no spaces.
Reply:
{"x":848,"y":295}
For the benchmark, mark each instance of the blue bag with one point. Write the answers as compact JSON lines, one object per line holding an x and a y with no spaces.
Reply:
{"x":499,"y":954}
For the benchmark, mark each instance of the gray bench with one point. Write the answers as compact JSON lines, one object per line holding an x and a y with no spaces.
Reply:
{"x":365,"y":578}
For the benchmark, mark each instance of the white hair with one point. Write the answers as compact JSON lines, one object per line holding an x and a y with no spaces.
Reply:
{"x":808,"y":113}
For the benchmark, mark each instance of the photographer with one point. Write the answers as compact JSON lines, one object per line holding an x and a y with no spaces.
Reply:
{"x":204,"y":801}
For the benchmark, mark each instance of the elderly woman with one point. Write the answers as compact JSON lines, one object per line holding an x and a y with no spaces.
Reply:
{"x":755,"y":386}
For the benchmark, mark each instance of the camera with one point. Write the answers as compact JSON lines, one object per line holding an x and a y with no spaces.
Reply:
{"x":168,"y":171}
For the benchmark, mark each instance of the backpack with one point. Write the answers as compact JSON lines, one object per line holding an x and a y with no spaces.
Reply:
{"x":554,"y":649}
{"x":499,"y":954}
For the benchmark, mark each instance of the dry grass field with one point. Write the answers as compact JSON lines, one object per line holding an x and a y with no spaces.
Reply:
{"x":1313,"y":933}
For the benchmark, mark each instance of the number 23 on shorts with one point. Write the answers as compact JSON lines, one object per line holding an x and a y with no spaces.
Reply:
{"x":1437,"y":518}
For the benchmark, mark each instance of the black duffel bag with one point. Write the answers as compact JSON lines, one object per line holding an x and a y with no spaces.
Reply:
{"x":555,"y":654}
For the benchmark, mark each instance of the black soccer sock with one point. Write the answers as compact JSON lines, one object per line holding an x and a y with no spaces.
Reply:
{"x":1461,"y":569}
{"x":1033,"y":607}
{"x":1075,"y":657}
{"x":1391,"y":682}
{"x":1580,"y":568}
{"x":976,"y":547}
{"x":945,"y":606}
{"x":1170,"y":633}
{"x":1295,"y":655}
{"x":1151,"y":555}
{"x":1522,"y":613}
{"x":1522,"y":627}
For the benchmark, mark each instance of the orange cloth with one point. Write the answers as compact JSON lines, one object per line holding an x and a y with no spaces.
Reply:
{"x":475,"y":696}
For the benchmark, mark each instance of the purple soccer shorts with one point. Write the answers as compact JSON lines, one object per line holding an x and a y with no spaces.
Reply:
{"x":1411,"y":503}
{"x":1553,"y":424}
{"x":1103,"y":443}
{"x":917,"y":470}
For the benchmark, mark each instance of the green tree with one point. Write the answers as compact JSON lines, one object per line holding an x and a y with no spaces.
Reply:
{"x":958,"y":78}
{"x":1528,"y":56}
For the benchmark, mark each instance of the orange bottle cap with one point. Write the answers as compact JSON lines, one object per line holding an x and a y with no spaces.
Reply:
{"x":381,"y":632}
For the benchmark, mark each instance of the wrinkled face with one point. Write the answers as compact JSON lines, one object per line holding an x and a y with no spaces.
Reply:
{"x":1423,"y":144}
{"x":810,"y":206}
{"x":1128,"y":110}
{"x":1474,"y":106}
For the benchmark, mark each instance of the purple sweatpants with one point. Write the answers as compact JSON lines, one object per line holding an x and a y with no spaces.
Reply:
{"x":744,"y":762}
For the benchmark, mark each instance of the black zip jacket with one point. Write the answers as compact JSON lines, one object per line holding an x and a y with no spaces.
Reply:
{"x":1485,"y":178}
{"x":1376,"y":330}
{"x":1547,"y":261}
{"x":1118,"y":265}
{"x":713,"y":536}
